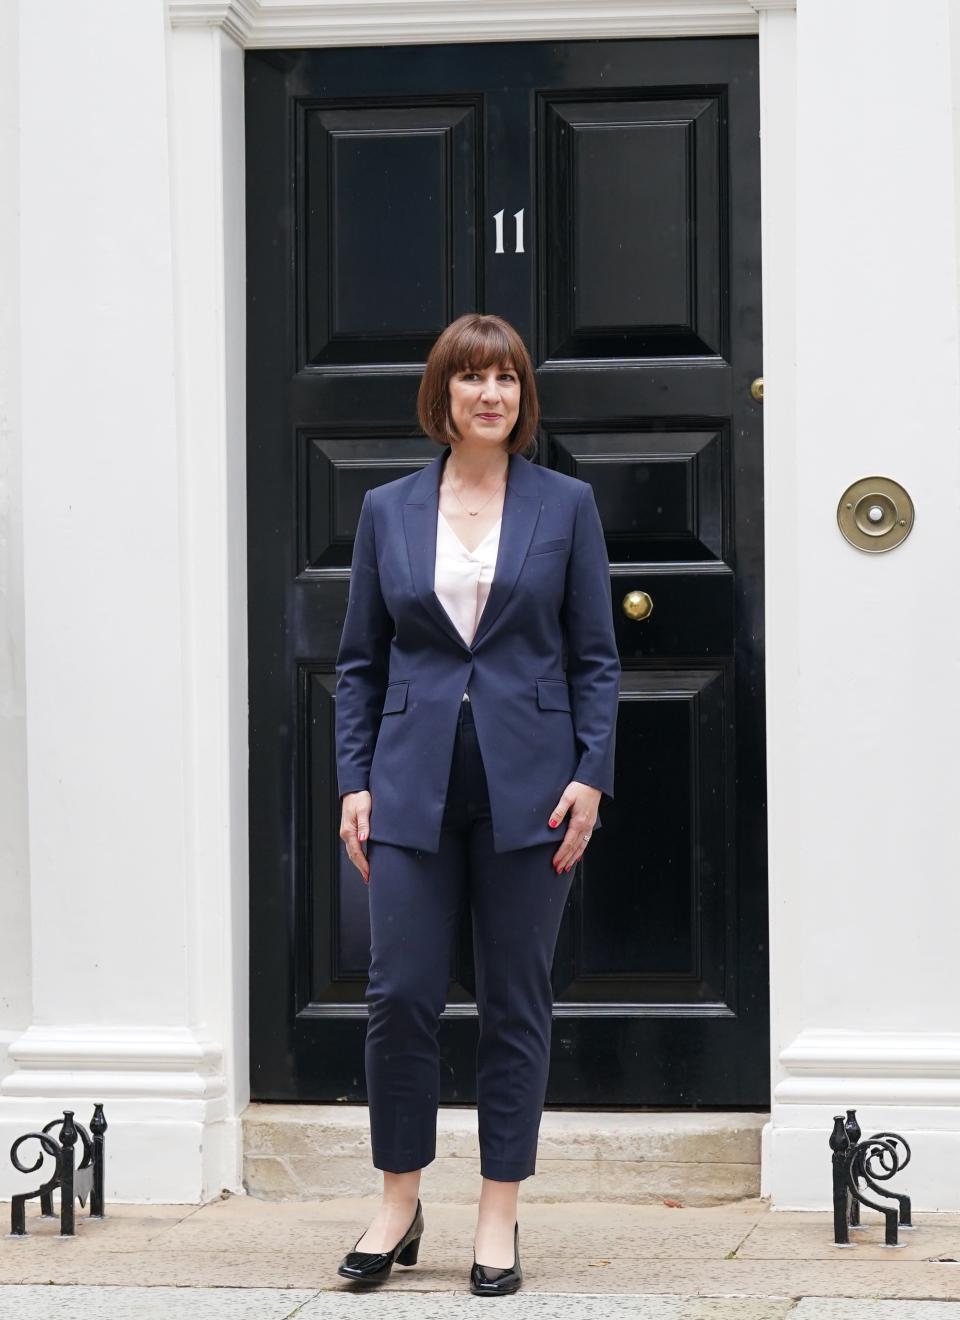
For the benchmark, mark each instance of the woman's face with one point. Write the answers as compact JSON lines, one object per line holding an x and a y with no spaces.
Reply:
{"x":485,"y":404}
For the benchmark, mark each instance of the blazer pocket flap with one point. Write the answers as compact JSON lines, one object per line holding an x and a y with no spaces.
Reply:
{"x":396,"y":697}
{"x":541,"y":547}
{"x":553,"y":694}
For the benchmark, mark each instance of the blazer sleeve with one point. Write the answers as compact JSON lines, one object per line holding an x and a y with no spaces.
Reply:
{"x":593,"y":661}
{"x":362,"y":664}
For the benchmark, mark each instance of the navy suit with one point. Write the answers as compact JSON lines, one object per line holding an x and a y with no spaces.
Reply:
{"x":543,"y":670}
{"x":461,"y":791}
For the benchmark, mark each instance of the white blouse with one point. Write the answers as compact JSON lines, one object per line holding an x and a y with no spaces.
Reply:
{"x":462,"y":577}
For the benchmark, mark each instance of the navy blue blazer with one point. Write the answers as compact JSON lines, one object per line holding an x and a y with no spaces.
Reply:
{"x":543,"y":668}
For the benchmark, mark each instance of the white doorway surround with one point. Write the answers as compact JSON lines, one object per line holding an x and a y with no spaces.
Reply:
{"x":131,"y":307}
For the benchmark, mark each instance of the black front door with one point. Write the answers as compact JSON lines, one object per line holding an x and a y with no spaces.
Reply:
{"x":603,"y":196}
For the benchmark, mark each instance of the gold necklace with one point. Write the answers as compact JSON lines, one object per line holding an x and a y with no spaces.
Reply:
{"x":473,"y":512}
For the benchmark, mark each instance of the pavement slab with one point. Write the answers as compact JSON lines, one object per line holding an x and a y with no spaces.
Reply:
{"x":648,"y":1255}
{"x":57,"y":1302}
{"x":66,"y":1303}
{"x":833,"y":1308}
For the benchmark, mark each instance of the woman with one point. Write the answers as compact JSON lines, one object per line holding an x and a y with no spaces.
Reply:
{"x":476,"y":704}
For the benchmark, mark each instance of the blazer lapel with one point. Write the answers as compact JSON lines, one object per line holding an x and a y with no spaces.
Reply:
{"x":521,"y":509}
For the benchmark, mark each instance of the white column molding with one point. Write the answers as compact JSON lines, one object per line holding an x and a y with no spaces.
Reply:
{"x":207,"y":188}
{"x":880,"y":1068}
{"x":15,"y":972}
{"x":902,"y":1082}
{"x":267,"y":23}
{"x":170,"y":1132}
{"x":165,"y":1064}
{"x":862,"y":656}
{"x":778,"y":204}
{"x":133,"y":493}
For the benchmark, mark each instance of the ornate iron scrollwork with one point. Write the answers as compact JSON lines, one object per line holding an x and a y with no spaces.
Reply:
{"x":853,"y":1162}
{"x":74,"y":1181}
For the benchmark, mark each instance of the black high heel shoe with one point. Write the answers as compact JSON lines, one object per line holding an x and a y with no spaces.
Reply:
{"x":495,"y":1280}
{"x":375,"y":1266}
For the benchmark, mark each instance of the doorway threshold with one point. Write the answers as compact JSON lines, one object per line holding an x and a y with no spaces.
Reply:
{"x":695,"y":1158}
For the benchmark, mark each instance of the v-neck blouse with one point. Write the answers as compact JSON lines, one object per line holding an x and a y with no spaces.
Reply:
{"x":462,"y":577}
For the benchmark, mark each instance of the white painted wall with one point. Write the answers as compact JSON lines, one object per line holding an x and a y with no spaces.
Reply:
{"x":101,"y":516}
{"x":137,"y":910}
{"x":14,"y":851}
{"x":864,"y":786}
{"x":878,"y":391}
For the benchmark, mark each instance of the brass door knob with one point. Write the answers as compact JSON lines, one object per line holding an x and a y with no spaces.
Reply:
{"x":756,"y":389}
{"x":637,"y":605}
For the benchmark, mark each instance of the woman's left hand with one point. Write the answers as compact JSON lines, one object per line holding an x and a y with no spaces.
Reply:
{"x":583,"y":802}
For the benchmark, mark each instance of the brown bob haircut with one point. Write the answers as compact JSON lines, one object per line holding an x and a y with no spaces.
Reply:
{"x":476,"y":341}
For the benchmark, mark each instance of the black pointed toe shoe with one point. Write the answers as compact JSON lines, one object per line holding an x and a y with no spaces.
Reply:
{"x":495,"y":1280}
{"x":375,"y":1266}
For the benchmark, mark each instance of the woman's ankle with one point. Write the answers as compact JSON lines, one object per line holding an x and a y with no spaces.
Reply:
{"x":401,"y":1190}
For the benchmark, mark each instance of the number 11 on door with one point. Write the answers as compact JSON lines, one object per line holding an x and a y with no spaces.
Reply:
{"x":518,"y":219}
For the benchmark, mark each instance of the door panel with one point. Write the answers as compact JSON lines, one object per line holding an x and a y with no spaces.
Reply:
{"x":631,"y":211}
{"x":389,"y":197}
{"x":603,"y":196}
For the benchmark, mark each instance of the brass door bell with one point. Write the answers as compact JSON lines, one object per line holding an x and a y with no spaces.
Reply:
{"x":875,"y":514}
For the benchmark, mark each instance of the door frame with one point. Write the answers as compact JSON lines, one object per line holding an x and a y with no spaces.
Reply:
{"x":206,"y":40}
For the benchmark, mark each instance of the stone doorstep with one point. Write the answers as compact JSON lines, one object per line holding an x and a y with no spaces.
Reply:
{"x":304,"y":1152}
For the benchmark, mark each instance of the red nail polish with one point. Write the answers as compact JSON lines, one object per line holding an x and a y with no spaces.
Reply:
{"x":553,"y":824}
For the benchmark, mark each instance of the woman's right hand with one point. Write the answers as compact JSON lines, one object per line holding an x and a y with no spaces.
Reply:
{"x":355,"y":827}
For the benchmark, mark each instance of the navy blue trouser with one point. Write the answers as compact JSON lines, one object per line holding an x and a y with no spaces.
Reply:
{"x":517,"y":902}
